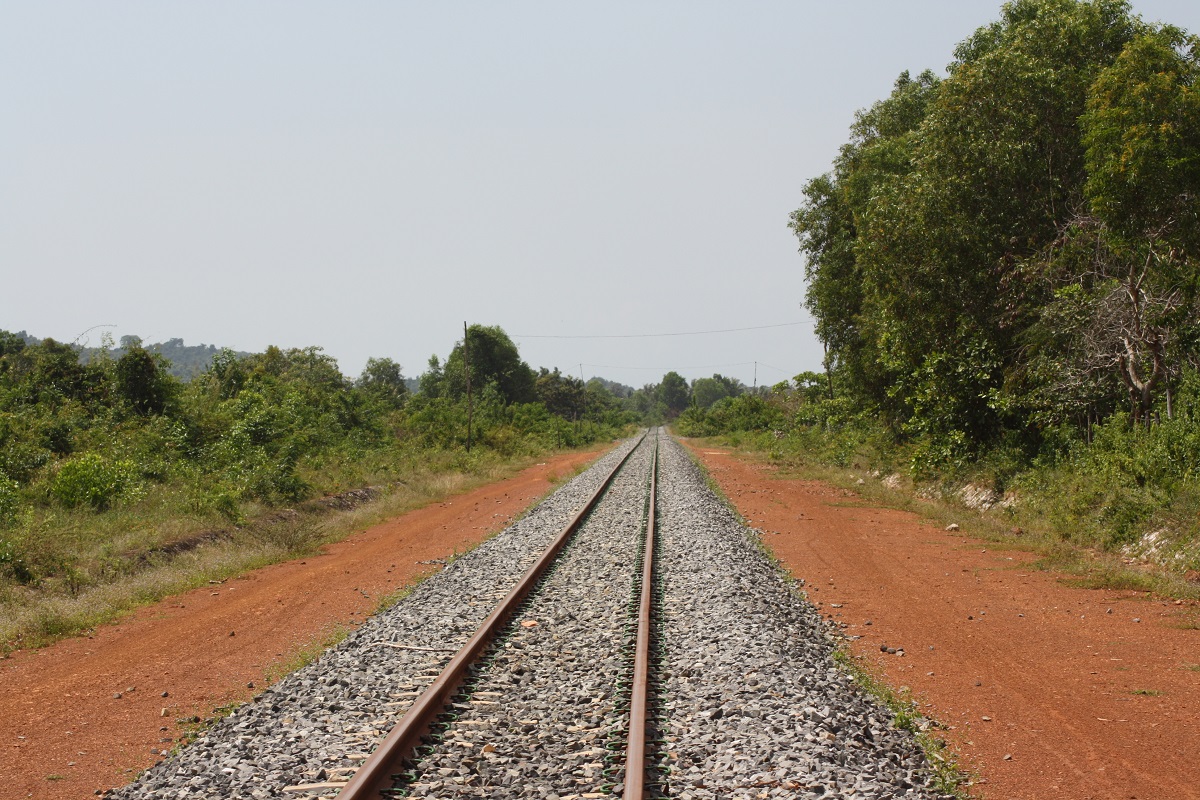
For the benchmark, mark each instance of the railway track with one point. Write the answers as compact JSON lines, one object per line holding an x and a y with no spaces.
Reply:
{"x":435,"y":722}
{"x":647,"y":650}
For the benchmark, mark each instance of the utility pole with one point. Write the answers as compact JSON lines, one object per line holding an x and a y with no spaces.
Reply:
{"x":828,"y":371}
{"x":467,"y":366}
{"x":756,"y":377}
{"x":583,"y":399}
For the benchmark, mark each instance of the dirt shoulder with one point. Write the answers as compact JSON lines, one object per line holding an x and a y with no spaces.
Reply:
{"x":1049,"y":690}
{"x":91,"y":713}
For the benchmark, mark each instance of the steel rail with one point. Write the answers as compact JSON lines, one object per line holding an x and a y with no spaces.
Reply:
{"x":635,"y":750}
{"x":374,"y":777}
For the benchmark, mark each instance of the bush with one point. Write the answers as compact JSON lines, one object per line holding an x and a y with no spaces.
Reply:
{"x":12,"y":563}
{"x":91,"y":479}
{"x":8,"y":500}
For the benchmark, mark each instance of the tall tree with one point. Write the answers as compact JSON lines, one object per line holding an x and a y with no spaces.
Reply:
{"x":383,"y":379}
{"x":673,"y":392}
{"x":494,"y":360}
{"x":142,"y":379}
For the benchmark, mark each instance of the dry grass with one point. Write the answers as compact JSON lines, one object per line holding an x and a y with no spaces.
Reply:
{"x":110,"y":564}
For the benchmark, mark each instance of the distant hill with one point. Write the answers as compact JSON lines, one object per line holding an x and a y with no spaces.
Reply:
{"x":616,"y":389}
{"x":187,"y":361}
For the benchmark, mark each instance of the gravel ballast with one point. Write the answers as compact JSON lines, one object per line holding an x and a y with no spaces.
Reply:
{"x":755,"y":705}
{"x":317,"y":725}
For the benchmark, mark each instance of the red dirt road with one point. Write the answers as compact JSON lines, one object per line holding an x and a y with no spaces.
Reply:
{"x":1051,"y":691}
{"x":65,"y":734}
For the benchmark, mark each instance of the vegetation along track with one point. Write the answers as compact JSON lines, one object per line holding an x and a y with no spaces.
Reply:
{"x":743,"y":697}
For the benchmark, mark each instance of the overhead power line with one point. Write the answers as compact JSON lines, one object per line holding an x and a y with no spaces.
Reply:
{"x":675,"y":367}
{"x":693,"y":366}
{"x":654,"y":335}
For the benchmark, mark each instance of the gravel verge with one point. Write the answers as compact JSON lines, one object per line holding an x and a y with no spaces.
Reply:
{"x":756,"y":705}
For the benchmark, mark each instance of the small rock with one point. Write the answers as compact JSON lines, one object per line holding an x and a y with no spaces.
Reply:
{"x":166,"y":694}
{"x":250,"y":685}
{"x":1137,"y":619}
{"x":867,"y":622}
{"x":1008,"y":756}
{"x":232,"y":633}
{"x":116,"y":695}
{"x":986,"y":718}
{"x":953,"y":526}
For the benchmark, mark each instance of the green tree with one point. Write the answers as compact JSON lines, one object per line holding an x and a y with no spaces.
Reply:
{"x":926,"y":245}
{"x":880,"y":150}
{"x":1122,"y":270}
{"x":673,"y":393}
{"x":494,"y":359}
{"x":142,"y":380}
{"x":707,"y":391}
{"x":561,"y":394}
{"x":382,"y":379}
{"x":1142,"y":132}
{"x":433,"y":379}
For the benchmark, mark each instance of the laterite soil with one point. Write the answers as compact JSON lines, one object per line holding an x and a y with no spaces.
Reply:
{"x":1049,"y":695}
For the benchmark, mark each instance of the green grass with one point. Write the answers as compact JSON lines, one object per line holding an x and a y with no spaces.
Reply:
{"x":308,"y":653}
{"x":1147,"y":692}
{"x":99,"y":567}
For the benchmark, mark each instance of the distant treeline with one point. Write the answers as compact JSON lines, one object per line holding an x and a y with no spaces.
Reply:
{"x":116,"y":425}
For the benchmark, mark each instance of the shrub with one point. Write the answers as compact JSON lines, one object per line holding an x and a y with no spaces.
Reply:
{"x":8,"y":500}
{"x":13,"y":564}
{"x":92,"y":479}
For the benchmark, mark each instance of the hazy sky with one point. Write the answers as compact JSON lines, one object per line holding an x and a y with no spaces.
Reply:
{"x":365,"y":176}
